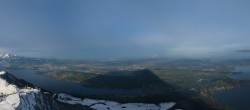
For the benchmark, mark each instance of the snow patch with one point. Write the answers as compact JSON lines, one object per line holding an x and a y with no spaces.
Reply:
{"x":10,"y":102}
{"x":28,"y":99}
{"x":2,"y":73}
{"x":6,"y":88}
{"x":11,"y":96}
{"x":112,"y":105}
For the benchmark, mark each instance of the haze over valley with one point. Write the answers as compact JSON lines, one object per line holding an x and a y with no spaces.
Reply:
{"x":124,"y":55}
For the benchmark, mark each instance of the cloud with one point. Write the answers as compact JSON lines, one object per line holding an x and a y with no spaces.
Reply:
{"x":123,"y":29}
{"x":244,"y":50}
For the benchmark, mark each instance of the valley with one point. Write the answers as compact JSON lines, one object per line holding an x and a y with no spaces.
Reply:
{"x":189,"y":83}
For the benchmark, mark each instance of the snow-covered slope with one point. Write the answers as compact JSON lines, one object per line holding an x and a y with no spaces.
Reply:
{"x":12,"y":97}
{"x":9,"y":95}
{"x":16,"y":94}
{"x":111,"y":105}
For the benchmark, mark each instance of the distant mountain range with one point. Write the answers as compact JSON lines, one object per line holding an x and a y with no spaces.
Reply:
{"x":8,"y":56}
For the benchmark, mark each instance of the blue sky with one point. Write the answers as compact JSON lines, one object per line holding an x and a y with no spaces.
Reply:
{"x":85,"y":29}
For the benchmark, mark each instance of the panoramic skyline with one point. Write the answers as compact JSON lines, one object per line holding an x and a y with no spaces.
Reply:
{"x":125,"y":28}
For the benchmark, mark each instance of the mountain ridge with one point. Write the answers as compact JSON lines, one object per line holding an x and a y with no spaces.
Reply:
{"x":7,"y":56}
{"x":17,"y":94}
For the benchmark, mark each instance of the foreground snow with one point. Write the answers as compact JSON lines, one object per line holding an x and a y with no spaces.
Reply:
{"x":10,"y":96}
{"x":10,"y":102}
{"x":2,"y":72}
{"x":111,"y":105}
{"x":6,"y":88}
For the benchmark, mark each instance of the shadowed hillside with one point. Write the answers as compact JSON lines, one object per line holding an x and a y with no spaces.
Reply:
{"x":125,"y":80}
{"x":154,"y":89}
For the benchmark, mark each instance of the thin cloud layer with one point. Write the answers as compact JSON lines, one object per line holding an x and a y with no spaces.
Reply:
{"x":245,"y":50}
{"x":124,"y":29}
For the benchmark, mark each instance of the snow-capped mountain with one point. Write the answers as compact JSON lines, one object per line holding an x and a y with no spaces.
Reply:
{"x":7,"y":55}
{"x":17,"y":94}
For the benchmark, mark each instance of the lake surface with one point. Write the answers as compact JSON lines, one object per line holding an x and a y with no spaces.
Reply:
{"x":239,"y":97}
{"x":242,"y":73}
{"x":59,"y":86}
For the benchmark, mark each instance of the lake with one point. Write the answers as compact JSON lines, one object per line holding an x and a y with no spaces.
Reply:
{"x":242,"y":73}
{"x":59,"y":86}
{"x":239,"y":97}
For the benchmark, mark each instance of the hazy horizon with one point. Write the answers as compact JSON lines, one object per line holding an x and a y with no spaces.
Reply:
{"x":117,"y":29}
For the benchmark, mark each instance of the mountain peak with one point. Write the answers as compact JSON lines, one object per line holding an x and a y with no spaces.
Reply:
{"x":7,"y":55}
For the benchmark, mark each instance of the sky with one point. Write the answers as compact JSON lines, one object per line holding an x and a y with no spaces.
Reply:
{"x":96,"y":29}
